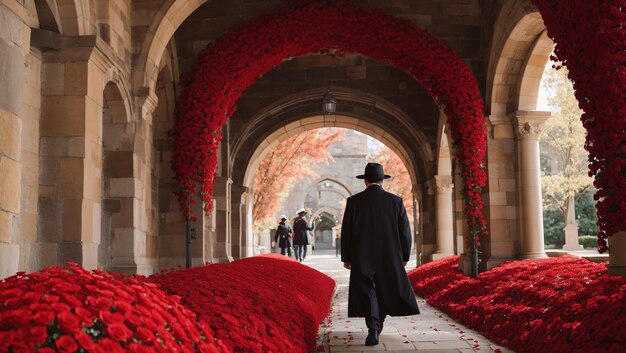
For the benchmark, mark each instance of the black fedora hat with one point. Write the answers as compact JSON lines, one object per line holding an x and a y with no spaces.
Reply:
{"x":373,"y":171}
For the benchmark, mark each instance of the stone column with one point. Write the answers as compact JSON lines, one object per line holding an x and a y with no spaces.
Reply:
{"x":238,"y":236}
{"x":617,"y":254}
{"x":571,"y":227}
{"x":222,"y":251}
{"x":443,"y":217}
{"x":501,"y":204}
{"x":14,"y":48}
{"x":528,"y":127}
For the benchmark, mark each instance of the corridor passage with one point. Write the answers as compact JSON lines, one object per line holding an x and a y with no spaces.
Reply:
{"x":429,"y":332}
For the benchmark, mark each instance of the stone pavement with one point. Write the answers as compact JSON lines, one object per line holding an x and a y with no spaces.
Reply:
{"x":429,"y":332}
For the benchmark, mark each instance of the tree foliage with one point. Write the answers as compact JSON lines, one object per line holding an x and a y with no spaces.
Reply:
{"x":400,"y":182}
{"x":292,"y":160}
{"x":564,"y":135}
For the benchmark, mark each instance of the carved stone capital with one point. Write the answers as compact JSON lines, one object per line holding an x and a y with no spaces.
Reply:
{"x":528,"y":130}
{"x":443,"y":183}
{"x":528,"y":124}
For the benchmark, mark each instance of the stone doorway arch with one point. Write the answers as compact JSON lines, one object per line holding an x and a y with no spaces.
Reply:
{"x":277,"y":123}
{"x":520,"y":51}
{"x":117,"y":206}
{"x":220,"y":79}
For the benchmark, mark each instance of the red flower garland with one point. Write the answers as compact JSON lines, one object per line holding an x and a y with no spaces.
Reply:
{"x":590,"y":37}
{"x":236,"y":60}
{"x":555,"y":305}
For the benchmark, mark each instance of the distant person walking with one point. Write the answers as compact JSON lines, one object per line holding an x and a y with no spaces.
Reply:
{"x":283,"y":236}
{"x":301,"y":230}
{"x":337,"y":244}
{"x":375,"y":246}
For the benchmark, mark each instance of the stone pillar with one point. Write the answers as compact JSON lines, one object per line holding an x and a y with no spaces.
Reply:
{"x":238,"y":221}
{"x":444,"y":222}
{"x":617,"y":254}
{"x":417,"y":225}
{"x":501,"y":204}
{"x":222,"y":251}
{"x":528,"y":127}
{"x":14,"y":47}
{"x":571,"y":227}
{"x":71,"y":191}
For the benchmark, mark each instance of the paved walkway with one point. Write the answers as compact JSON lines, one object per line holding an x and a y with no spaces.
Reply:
{"x":429,"y":332}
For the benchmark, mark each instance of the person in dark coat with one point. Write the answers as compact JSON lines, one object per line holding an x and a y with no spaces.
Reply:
{"x":301,"y":230}
{"x":375,"y":246}
{"x":283,"y":236}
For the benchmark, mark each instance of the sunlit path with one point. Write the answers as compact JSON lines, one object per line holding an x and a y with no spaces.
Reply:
{"x":432,"y":331}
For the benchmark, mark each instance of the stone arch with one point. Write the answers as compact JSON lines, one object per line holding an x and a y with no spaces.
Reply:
{"x":316,"y":122}
{"x":444,"y":196}
{"x":73,"y":16}
{"x":48,"y":15}
{"x":334,"y":180}
{"x":117,"y":201}
{"x":530,"y":78}
{"x":217,"y":84}
{"x":311,"y":187}
{"x":170,"y":16}
{"x":444,"y":147}
{"x":517,"y":54}
{"x":321,"y":240}
{"x":257,"y":138}
{"x":169,"y":230}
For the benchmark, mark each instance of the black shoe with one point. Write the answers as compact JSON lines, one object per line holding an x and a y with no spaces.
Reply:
{"x":372,"y":338}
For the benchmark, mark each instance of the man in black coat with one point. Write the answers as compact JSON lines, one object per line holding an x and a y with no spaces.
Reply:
{"x":300,"y":231}
{"x":283,"y":236}
{"x":375,"y":246}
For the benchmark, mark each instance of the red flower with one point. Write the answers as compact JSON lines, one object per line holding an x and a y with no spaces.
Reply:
{"x":144,"y":335}
{"x":66,"y":344}
{"x":110,"y":346}
{"x":110,"y":318}
{"x":69,"y":322}
{"x":119,"y":332}
{"x":84,"y":340}
{"x":85,"y":315}
{"x":137,"y":348}
{"x":38,"y":334}
{"x":43,"y":317}
{"x":46,"y":350}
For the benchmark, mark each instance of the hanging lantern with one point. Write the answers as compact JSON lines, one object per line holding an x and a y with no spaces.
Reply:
{"x":329,"y":103}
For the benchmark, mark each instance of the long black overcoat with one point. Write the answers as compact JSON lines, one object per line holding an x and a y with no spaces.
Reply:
{"x":376,"y":240}
{"x":300,"y":229}
{"x":283,"y":235}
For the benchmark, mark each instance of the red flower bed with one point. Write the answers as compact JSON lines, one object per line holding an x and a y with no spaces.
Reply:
{"x":59,"y":310}
{"x":258,"y":304}
{"x":564,"y":304}
{"x":590,"y":38}
{"x":236,"y":60}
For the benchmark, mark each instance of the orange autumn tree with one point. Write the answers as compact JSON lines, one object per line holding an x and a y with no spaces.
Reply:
{"x":292,"y":160}
{"x":400,"y":182}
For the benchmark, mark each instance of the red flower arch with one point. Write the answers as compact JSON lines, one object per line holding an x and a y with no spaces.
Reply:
{"x":590,"y":38}
{"x":236,"y":60}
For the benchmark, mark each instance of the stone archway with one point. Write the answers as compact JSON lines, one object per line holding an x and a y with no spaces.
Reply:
{"x":519,"y":52}
{"x":221,"y":77}
{"x":72,"y":14}
{"x":300,"y":112}
{"x":171,"y":14}
{"x":443,"y":185}
{"x":117,"y":168}
{"x":251,"y":149}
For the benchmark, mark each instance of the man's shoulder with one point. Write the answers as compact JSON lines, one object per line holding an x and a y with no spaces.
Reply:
{"x":356,"y":196}
{"x":394,"y":196}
